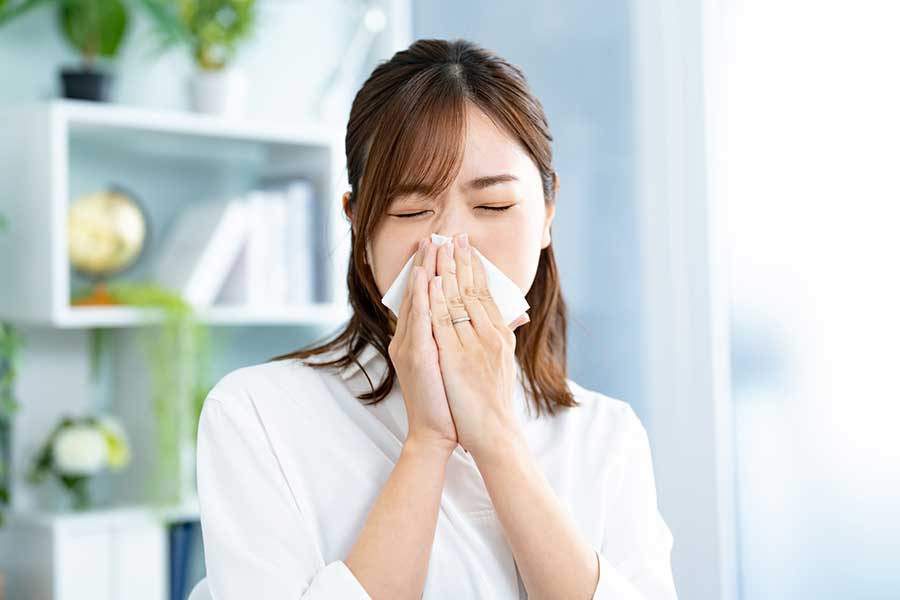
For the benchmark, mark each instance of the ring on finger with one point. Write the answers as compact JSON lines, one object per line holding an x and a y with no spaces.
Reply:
{"x":465,"y":317}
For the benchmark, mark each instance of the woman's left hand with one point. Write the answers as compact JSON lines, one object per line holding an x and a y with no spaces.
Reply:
{"x":477,"y":357}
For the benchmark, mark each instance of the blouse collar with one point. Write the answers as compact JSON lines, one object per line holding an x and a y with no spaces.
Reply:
{"x":368,"y":354}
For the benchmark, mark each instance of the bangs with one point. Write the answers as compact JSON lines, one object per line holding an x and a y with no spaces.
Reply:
{"x":420,"y":146}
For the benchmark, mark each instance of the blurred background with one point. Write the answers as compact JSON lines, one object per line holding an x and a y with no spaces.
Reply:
{"x":726,"y":230}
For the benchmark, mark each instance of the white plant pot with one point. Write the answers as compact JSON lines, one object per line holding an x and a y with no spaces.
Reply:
{"x":222,"y":92}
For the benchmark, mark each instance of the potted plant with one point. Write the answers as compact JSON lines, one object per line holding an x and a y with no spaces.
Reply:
{"x":212,"y":30}
{"x":95,"y":29}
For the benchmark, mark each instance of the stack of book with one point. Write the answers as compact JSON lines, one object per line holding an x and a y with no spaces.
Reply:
{"x":256,"y":250}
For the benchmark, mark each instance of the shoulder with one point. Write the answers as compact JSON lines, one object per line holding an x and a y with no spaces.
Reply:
{"x":243,"y":391}
{"x":608,"y":421}
{"x":602,"y":408}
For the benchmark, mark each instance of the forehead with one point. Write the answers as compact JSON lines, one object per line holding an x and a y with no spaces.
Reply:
{"x":489,"y":150}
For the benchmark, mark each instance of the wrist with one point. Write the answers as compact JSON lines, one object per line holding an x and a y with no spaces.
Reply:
{"x":507,"y":443}
{"x":428,"y":446}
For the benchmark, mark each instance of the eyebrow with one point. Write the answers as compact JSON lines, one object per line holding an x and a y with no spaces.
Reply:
{"x":479,"y":183}
{"x":483,"y":182}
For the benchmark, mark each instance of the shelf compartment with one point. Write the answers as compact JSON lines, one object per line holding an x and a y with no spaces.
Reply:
{"x":58,"y":149}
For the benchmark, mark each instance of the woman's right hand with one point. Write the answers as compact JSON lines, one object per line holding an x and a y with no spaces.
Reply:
{"x":414,"y":353}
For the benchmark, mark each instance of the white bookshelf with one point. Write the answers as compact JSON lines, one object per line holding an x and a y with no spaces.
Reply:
{"x":117,"y":552}
{"x":55,"y":150}
{"x":50,"y":153}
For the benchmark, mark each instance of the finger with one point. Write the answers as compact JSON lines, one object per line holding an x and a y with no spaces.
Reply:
{"x":479,"y":276}
{"x":425,"y":260}
{"x":402,"y":320}
{"x":444,"y":331}
{"x":456,"y":308}
{"x":470,"y":295}
{"x":429,"y":259}
{"x":420,"y":314}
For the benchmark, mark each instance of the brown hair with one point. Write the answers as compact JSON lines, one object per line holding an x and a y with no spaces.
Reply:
{"x":407,"y":128}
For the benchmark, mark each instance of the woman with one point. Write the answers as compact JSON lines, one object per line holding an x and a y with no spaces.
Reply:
{"x":439,"y":453}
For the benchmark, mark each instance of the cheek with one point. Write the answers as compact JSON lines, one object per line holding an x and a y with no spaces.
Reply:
{"x":388,"y":254}
{"x":516,"y":255}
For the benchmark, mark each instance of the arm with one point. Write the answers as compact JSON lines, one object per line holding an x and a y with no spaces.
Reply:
{"x":634,"y":561}
{"x":554,"y":558}
{"x":259,"y":544}
{"x":391,"y":554}
{"x":635,"y":557}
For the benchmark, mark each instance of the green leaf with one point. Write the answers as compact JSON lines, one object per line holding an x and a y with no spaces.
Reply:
{"x":94,"y":27}
{"x":11,"y":10}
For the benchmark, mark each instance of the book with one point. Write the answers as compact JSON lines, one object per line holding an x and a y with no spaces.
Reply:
{"x":201,"y":248}
{"x":301,"y":240}
{"x":265,"y":250}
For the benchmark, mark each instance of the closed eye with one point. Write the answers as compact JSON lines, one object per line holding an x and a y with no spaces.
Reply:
{"x":491,"y":208}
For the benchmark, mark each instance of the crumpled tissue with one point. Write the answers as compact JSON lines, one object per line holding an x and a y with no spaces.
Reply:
{"x":505,"y":292}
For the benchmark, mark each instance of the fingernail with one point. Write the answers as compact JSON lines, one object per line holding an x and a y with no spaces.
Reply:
{"x":463,"y":240}
{"x":449,"y":249}
{"x":439,"y":283}
{"x":422,"y":243}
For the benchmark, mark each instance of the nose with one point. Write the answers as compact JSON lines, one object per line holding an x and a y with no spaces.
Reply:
{"x":454,"y":221}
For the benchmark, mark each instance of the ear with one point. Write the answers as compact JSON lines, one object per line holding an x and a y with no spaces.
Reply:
{"x":550,"y":213}
{"x":346,"y":204}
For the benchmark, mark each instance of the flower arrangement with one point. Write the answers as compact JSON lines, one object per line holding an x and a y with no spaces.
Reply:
{"x":79,"y":448}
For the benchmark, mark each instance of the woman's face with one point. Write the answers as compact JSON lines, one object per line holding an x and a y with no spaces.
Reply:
{"x":511,"y":238}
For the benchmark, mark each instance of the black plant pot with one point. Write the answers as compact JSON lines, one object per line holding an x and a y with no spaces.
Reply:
{"x":85,"y":83}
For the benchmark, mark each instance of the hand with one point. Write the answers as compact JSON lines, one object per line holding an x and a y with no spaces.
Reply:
{"x":477,"y":357}
{"x":414,"y":353}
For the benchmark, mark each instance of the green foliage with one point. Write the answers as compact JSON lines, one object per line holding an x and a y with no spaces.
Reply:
{"x":97,"y":28}
{"x":211,"y":29}
{"x":93,"y":27}
{"x":11,"y":343}
{"x":178,"y":354}
{"x":10,"y":9}
{"x":10,"y":357}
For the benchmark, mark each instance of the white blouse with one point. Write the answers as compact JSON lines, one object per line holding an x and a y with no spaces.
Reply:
{"x":289,"y":463}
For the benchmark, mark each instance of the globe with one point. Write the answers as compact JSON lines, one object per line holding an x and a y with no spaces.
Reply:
{"x":107,"y":234}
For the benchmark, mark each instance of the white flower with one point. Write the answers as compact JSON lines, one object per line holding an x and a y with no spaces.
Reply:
{"x":119,"y":452}
{"x":80,"y":450}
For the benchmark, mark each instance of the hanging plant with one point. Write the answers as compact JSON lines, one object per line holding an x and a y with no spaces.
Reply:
{"x":178,"y":353}
{"x":11,"y":342}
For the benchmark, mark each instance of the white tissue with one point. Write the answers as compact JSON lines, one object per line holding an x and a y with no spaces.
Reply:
{"x":506,"y":293}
